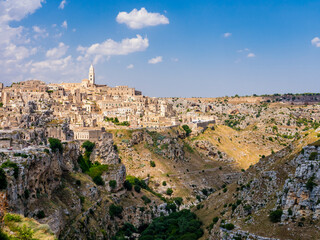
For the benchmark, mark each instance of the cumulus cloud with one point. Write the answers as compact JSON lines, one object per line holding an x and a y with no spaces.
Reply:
{"x":315,"y":42}
{"x":15,"y":53}
{"x":15,"y":10}
{"x":155,"y":60}
{"x":110,"y":48}
{"x":57,"y":52}
{"x":62,"y":4}
{"x":251,"y":55}
{"x":227,"y":35}
{"x":51,"y":64}
{"x":130,"y":66}
{"x":64,"y":24}
{"x":137,"y":19}
{"x":39,"y":32}
{"x":14,"y":41}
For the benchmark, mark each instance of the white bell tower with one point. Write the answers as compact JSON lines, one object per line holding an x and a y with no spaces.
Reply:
{"x":91,"y":75}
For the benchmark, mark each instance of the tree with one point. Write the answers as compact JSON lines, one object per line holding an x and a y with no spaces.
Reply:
{"x":275,"y":216}
{"x":181,"y":225}
{"x":152,"y":164}
{"x":169,"y":191}
{"x":127,"y":185}
{"x":55,"y":145}
{"x":98,"y":180}
{"x":137,"y":188}
{"x":113,"y":184}
{"x":115,"y":210}
{"x":187,"y":129}
{"x":88,"y":146}
{"x":3,"y":180}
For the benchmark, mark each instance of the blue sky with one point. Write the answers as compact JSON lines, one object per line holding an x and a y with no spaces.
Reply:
{"x":165,"y":48}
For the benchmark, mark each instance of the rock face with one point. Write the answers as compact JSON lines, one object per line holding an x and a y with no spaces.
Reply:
{"x":239,"y":234}
{"x":300,"y":197}
{"x":105,"y":152}
{"x":39,"y":175}
{"x":168,"y":147}
{"x":51,"y":183}
{"x":211,"y":152}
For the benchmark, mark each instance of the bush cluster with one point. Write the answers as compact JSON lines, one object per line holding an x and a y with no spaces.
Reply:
{"x":94,"y":170}
{"x":55,"y":145}
{"x":178,"y":225}
{"x":275,"y":216}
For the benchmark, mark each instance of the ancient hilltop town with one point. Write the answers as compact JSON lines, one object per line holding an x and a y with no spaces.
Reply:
{"x":82,"y":111}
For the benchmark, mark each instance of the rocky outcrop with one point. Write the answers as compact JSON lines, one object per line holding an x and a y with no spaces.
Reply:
{"x":39,"y":174}
{"x":116,"y":173}
{"x":105,"y":152}
{"x":300,"y":197}
{"x":238,"y":234}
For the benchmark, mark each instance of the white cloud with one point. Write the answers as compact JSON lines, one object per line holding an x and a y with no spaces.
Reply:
{"x":57,"y":52}
{"x":243,"y":50}
{"x":138,"y":19}
{"x":110,"y":47}
{"x":251,"y":55}
{"x":227,"y":34}
{"x":15,"y":10}
{"x":40,"y":32}
{"x":62,"y":4}
{"x":16,"y":48}
{"x":130,"y":66}
{"x":64,"y":24}
{"x":175,"y":59}
{"x":316,"y":42}
{"x":17,"y":53}
{"x":155,"y":60}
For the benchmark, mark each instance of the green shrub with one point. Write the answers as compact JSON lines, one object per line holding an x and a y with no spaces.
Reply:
{"x":3,"y":180}
{"x":164,"y":183}
{"x":310,"y":183}
{"x":215,"y":220}
{"x":127,"y":185}
{"x":3,"y":236}
{"x":41,"y":214}
{"x":137,"y":188}
{"x":228,"y":226}
{"x":25,"y":233}
{"x":169,"y":191}
{"x":98,"y":180}
{"x":178,"y":200}
{"x":152,"y":164}
{"x":275,"y":216}
{"x":145,"y":199}
{"x":115,"y":210}
{"x":55,"y":145}
{"x":97,"y":170}
{"x":9,"y":164}
{"x":88,"y":146}
{"x":171,"y":207}
{"x":113,"y":184}
{"x":187,"y":129}
{"x":313,"y":156}
{"x":12,"y":218}
{"x":181,"y":225}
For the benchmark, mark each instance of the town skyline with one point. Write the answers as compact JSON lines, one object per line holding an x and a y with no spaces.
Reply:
{"x":191,"y":47}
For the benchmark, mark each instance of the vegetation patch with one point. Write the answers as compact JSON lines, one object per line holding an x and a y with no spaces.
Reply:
{"x":55,"y":145}
{"x":178,"y":225}
{"x":94,"y":170}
